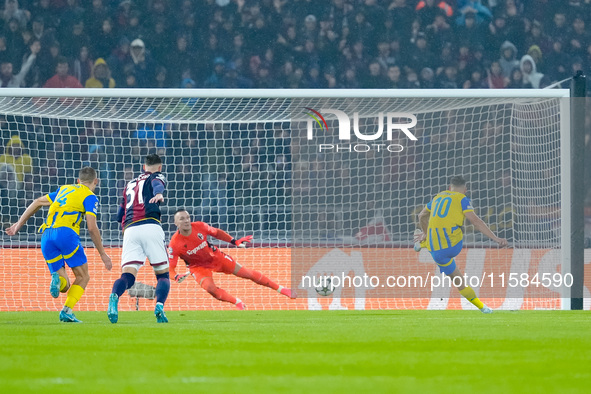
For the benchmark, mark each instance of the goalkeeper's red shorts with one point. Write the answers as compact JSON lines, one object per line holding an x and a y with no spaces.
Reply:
{"x":221,"y":263}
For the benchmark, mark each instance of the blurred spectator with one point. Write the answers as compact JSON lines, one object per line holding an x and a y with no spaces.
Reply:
{"x":495,"y":78}
{"x":427,"y":78}
{"x":439,"y":33}
{"x":559,"y":28}
{"x":15,"y":156}
{"x":71,"y":14}
{"x":49,"y":59}
{"x":14,"y":43}
{"x":10,"y":80}
{"x":142,"y":64}
{"x":61,"y":79}
{"x":118,"y":59}
{"x":394,"y":78}
{"x":374,"y":78}
{"x":105,"y":40}
{"x":73,"y":41}
{"x":385,"y":58}
{"x":448,"y":80}
{"x":44,"y":11}
{"x":82,"y":66}
{"x":475,"y":7}
{"x":233,"y":80}
{"x":516,"y":80}
{"x":101,"y":76}
{"x":508,"y":60}
{"x":183,"y":60}
{"x":578,"y":38}
{"x":13,"y":12}
{"x":471,"y":33}
{"x":427,"y":10}
{"x":476,"y":80}
{"x":162,"y":80}
{"x":412,"y":80}
{"x":40,"y":33}
{"x":215,"y":80}
{"x":528,"y":69}
{"x":420,"y":55}
{"x":404,"y":15}
{"x":538,"y":38}
{"x":94,"y":15}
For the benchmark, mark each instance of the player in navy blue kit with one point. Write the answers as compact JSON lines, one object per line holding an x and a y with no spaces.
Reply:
{"x":143,"y":236}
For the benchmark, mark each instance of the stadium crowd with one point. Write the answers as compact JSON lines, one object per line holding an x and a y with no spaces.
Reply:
{"x":293,"y":44}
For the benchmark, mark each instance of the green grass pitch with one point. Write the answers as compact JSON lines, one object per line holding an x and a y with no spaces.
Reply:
{"x":297,"y":351}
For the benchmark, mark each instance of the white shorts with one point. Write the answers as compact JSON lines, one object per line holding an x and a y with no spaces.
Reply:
{"x":144,"y":240}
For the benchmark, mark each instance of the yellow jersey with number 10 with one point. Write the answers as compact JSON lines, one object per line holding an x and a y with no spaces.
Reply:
{"x":447,"y":214}
{"x":68,"y":205}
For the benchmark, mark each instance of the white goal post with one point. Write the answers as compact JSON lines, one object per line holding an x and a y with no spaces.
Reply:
{"x":305,"y":169}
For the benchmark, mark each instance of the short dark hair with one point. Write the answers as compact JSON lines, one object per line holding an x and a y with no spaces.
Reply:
{"x":457,"y":180}
{"x":180,"y":210}
{"x":153,"y":159}
{"x":61,"y":60}
{"x":87,"y":174}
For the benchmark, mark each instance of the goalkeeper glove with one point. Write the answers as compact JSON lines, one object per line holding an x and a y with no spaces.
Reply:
{"x":241,"y":242}
{"x":179,"y":278}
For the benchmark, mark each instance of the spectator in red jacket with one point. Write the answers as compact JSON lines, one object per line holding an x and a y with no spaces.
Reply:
{"x":61,"y":79}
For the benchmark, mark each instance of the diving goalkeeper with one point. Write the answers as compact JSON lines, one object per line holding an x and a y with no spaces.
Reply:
{"x":190,"y":244}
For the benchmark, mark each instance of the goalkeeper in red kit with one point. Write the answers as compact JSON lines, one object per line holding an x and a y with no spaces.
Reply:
{"x":190,"y":244}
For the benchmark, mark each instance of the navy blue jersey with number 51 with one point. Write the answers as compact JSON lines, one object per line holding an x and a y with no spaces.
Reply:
{"x":136,"y":207}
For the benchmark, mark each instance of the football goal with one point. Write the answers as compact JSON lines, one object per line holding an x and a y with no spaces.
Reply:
{"x":329,"y":182}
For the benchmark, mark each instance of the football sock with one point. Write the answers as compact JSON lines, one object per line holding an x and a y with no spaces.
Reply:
{"x":163,"y":287}
{"x":63,"y":283}
{"x":257,"y":277}
{"x":470,"y":295}
{"x":74,"y":295}
{"x":123,"y":283}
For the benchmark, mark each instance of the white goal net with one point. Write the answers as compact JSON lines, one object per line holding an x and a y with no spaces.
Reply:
{"x":319,"y":196}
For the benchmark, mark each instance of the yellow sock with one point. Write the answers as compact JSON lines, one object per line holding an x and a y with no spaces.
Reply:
{"x":74,"y":295}
{"x":63,"y":283}
{"x":470,"y":295}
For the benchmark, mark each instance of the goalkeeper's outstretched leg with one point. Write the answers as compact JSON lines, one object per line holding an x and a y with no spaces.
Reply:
{"x":204,"y":277}
{"x":260,"y":279}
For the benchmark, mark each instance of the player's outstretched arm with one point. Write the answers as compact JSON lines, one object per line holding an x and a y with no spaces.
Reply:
{"x":95,"y":235}
{"x":483,"y":228}
{"x":241,"y":242}
{"x":224,"y":236}
{"x":30,"y":211}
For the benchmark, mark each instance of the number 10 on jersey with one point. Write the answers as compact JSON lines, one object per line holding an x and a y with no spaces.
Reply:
{"x":442,"y":205}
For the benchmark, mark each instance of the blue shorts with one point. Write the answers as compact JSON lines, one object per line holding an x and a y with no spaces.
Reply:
{"x":445,"y":258}
{"x":62,"y":245}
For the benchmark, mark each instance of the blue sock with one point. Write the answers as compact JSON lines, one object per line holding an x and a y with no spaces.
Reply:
{"x":125,"y":282}
{"x":163,"y":287}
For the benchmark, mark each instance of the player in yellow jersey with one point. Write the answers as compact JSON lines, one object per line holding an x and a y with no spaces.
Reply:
{"x":60,"y":242}
{"x":441,"y":223}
